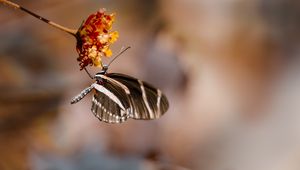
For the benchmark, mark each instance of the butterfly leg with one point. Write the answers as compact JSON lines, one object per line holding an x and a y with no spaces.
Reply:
{"x":88,"y":73}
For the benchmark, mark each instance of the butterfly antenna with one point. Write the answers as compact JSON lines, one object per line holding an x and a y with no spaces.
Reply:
{"x":119,"y":54}
{"x":17,"y":6}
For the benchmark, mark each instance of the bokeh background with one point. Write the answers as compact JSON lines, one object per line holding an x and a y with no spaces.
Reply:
{"x":230,"y":68}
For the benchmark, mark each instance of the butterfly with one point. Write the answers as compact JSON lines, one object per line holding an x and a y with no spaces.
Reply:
{"x":118,"y":97}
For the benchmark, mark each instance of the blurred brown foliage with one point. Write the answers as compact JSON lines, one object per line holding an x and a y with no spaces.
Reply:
{"x":229,"y":68}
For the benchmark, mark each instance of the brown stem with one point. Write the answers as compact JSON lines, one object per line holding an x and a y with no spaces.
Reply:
{"x":14,"y":5}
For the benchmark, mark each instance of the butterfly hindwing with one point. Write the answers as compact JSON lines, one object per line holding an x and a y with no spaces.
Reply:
{"x":110,"y":103}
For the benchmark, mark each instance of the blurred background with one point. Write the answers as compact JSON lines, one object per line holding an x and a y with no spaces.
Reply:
{"x":230,"y":69}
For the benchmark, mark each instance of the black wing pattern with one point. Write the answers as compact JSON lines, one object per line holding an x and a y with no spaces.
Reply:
{"x":119,"y":97}
{"x":110,"y":103}
{"x":146,"y":102}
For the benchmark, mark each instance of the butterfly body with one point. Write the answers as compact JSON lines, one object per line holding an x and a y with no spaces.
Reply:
{"x":118,"y":97}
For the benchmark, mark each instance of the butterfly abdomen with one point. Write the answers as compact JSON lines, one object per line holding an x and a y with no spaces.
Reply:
{"x":82,"y":94}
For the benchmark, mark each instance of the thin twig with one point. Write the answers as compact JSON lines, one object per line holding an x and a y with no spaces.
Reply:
{"x":16,"y":6}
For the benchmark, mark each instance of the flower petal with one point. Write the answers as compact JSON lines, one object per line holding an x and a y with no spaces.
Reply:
{"x":94,"y":38}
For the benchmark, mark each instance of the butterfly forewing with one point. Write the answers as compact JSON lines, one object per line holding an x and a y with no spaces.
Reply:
{"x":147,"y":102}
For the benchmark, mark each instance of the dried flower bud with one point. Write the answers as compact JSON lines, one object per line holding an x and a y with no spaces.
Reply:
{"x":94,"y":38}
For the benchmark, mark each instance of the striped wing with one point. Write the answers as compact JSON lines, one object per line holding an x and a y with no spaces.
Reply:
{"x":146,"y":102}
{"x":110,"y":103}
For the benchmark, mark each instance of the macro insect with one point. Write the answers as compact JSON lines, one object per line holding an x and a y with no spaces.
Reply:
{"x":118,"y":97}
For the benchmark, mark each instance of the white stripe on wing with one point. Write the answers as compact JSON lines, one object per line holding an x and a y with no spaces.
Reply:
{"x":151,"y":114}
{"x":116,"y":82}
{"x":109,"y":94}
{"x":159,"y":93}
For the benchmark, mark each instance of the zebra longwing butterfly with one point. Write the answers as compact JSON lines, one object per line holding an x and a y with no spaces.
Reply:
{"x":118,"y":97}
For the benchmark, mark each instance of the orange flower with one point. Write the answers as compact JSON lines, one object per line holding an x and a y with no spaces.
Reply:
{"x":94,"y":38}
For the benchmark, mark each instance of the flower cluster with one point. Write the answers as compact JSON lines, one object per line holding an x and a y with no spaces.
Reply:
{"x":94,"y":38}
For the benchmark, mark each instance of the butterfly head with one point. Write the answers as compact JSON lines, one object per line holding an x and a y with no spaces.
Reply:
{"x":104,"y":69}
{"x":102,"y":72}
